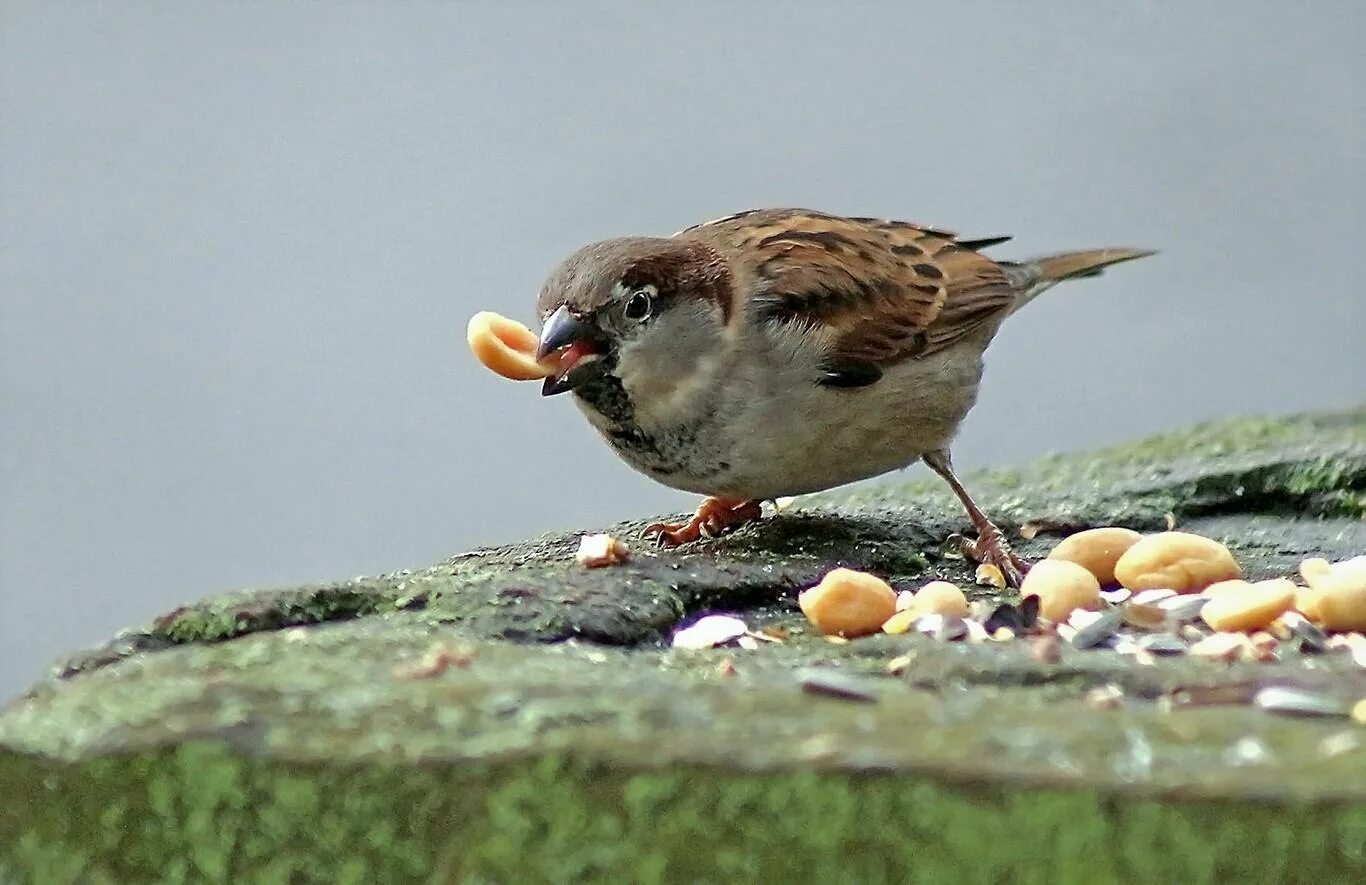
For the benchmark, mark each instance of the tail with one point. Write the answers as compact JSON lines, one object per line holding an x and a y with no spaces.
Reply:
{"x":1034,"y":276}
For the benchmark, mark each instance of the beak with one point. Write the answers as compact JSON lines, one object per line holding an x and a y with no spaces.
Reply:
{"x":576,"y":343}
{"x":561,"y":330}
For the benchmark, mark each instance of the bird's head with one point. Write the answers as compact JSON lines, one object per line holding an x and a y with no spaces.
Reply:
{"x":636,"y":313}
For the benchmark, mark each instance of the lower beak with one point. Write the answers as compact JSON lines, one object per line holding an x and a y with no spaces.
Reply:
{"x":574,"y":341}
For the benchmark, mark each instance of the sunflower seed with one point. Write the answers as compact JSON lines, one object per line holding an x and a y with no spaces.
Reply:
{"x":1144,"y":617}
{"x":945,"y":628}
{"x":1005,"y":616}
{"x":1101,"y":630}
{"x":824,"y":681}
{"x":1183,"y":608}
{"x":1312,"y":639}
{"x":710,"y":631}
{"x":1152,"y":597}
{"x":1289,"y":701}
{"x":1163,"y":644}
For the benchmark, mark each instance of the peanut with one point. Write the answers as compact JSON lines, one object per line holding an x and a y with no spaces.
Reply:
{"x":1181,"y":561}
{"x":848,"y":603}
{"x":1240,"y":606}
{"x":940,"y":598}
{"x":505,"y":346}
{"x":1097,"y":550}
{"x":1062,"y":587}
{"x":1340,"y":595}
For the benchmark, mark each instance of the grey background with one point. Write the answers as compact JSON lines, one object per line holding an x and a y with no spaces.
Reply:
{"x":241,"y":241}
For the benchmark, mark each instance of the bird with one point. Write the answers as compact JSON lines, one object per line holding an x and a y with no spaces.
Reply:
{"x":777,"y":352}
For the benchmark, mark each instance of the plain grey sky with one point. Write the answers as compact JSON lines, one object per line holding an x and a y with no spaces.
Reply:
{"x":239,"y":243}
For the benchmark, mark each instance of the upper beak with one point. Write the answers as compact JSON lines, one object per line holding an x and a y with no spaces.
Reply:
{"x":561,"y":330}
{"x":577,"y":339}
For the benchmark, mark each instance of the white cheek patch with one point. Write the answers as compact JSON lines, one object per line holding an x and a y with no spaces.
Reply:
{"x":673,"y":369}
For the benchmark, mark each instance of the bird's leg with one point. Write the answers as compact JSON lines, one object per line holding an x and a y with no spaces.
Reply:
{"x":714,"y":516}
{"x":991,"y":545}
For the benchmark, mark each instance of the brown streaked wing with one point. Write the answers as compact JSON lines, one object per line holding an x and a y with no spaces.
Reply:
{"x":890,"y":290}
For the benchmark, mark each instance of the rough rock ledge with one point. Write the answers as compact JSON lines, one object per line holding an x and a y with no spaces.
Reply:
{"x":308,"y":734}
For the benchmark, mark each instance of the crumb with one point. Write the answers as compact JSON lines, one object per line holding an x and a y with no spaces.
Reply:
{"x":596,"y":551}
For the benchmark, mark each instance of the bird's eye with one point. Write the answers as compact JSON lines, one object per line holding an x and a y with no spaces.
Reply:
{"x":640,"y":304}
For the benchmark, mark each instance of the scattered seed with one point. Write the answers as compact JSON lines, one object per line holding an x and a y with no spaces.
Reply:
{"x":1194,"y":632}
{"x":981,"y":609}
{"x":1124,"y":645}
{"x":848,"y":603}
{"x":1116,"y":597}
{"x":1220,"y":646}
{"x":596,"y":551}
{"x":976,"y":632}
{"x":1105,"y":697}
{"x":899,"y":664}
{"x":1289,"y":701}
{"x":941,"y":597}
{"x":1061,"y":586}
{"x":1046,"y":649}
{"x":945,"y":628}
{"x":1356,"y":644}
{"x":989,"y":575}
{"x":747,"y":642}
{"x":1002,"y":634}
{"x":1144,"y":617}
{"x":726,"y":667}
{"x":1247,"y":751}
{"x":1212,"y":695}
{"x":1183,"y":608}
{"x":1101,"y":630}
{"x":900,"y":622}
{"x":437,"y":661}
{"x":1238,"y":605}
{"x":1097,"y":550}
{"x":824,"y":681}
{"x":1082,"y":617}
{"x":1152,"y":597}
{"x":1004,"y":617}
{"x":710,"y":631}
{"x":1340,"y":743}
{"x":1179,"y":560}
{"x":1163,"y":644}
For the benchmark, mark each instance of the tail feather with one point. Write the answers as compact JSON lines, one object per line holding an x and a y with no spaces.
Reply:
{"x":1038,"y":274}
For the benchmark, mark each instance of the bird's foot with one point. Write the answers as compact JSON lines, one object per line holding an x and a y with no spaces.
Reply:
{"x":715,"y":516}
{"x":992,"y":548}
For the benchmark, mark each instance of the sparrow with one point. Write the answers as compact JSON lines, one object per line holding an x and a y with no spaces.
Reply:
{"x":777,"y":352}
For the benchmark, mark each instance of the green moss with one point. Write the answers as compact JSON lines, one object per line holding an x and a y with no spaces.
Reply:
{"x":199,"y":814}
{"x":239,"y":614}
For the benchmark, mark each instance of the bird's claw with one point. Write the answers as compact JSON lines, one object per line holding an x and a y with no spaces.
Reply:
{"x":713,"y":518}
{"x":991,"y":547}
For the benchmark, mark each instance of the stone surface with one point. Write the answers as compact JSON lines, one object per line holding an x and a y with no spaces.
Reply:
{"x":507,"y":711}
